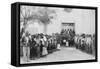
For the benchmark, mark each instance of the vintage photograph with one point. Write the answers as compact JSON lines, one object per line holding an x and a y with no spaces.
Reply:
{"x":53,"y":34}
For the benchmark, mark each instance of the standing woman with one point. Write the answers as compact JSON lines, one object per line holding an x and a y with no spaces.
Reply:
{"x":37,"y":47}
{"x":24,"y":48}
{"x":58,"y":42}
{"x":41,"y":47}
{"x":49,"y":45}
{"x":32,"y":48}
{"x":44,"y":52}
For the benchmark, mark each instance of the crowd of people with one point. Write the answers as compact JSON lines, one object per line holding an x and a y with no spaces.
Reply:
{"x":67,"y":37}
{"x":85,"y":43}
{"x":39,"y":45}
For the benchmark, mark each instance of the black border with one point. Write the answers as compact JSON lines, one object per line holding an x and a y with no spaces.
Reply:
{"x":59,"y":6}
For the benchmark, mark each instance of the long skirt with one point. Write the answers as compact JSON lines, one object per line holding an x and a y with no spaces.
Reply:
{"x":38,"y":51}
{"x":26,"y":53}
{"x":32,"y":52}
{"x":44,"y":52}
{"x":58,"y":46}
{"x":67,"y":43}
{"x":41,"y":49}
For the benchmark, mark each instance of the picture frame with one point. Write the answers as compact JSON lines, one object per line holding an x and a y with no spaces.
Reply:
{"x":15,"y":33}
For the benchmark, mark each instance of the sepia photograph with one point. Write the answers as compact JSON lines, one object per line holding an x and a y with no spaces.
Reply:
{"x":56,"y":34}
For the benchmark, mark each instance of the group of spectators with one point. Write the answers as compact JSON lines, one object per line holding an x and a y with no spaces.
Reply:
{"x":37,"y":45}
{"x":40,"y":45}
{"x":86,"y":43}
{"x":83,"y":42}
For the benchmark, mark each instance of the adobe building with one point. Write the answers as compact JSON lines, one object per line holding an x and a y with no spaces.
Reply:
{"x":81,"y":20}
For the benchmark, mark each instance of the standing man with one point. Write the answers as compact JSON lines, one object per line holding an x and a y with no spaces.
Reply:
{"x":26,"y":48}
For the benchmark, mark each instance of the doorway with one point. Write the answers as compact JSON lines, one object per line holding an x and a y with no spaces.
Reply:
{"x":68,"y":33}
